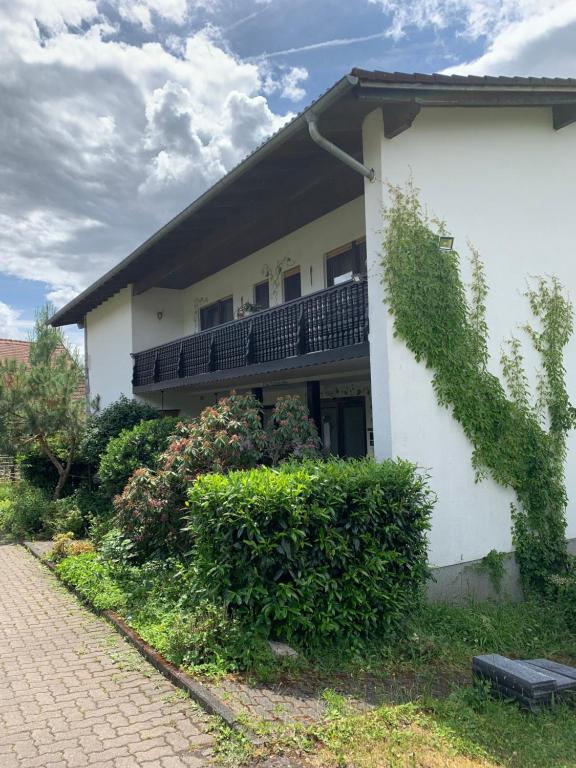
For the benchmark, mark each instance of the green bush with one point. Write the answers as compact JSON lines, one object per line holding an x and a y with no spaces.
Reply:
{"x":64,"y":516}
{"x":226,"y":436}
{"x":564,"y":587}
{"x":29,"y":512}
{"x":140,"y":446}
{"x":24,"y":511}
{"x":149,"y":511}
{"x":92,"y":502}
{"x":312,"y":551}
{"x":205,"y":638}
{"x":92,"y":579}
{"x":5,"y":507}
{"x":104,"y":425}
{"x":115,"y":549}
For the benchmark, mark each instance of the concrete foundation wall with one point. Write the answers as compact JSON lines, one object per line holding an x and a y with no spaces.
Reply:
{"x":464,"y":582}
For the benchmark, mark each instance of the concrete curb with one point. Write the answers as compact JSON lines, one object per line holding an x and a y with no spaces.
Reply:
{"x":197,"y":692}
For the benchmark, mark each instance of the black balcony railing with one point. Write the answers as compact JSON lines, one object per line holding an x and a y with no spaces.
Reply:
{"x":322,"y":321}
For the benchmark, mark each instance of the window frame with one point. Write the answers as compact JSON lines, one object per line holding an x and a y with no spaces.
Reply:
{"x":337,"y":251}
{"x":212,"y":304}
{"x":290,"y":273}
{"x":257,"y":285}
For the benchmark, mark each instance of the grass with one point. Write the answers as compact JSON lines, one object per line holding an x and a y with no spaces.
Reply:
{"x":428,"y":714}
{"x":444,"y":637}
{"x":465,"y":729}
{"x":464,"y":726}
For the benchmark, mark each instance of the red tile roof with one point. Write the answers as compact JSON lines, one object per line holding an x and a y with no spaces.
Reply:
{"x":13,"y":349}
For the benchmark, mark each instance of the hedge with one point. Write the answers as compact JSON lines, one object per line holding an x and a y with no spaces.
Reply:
{"x":139,"y":446}
{"x":226,"y":436}
{"x":104,"y":425}
{"x":312,"y":550}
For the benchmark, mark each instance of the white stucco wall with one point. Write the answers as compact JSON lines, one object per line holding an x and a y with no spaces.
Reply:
{"x":108,"y":348}
{"x":156,"y":318}
{"x":305,"y":247}
{"x":504,"y":179}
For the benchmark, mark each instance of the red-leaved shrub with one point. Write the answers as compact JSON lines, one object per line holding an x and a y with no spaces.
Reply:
{"x":226,"y":436}
{"x":149,"y":512}
{"x":290,"y":433}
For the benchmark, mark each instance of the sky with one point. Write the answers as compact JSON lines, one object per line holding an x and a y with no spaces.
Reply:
{"x":116,"y":114}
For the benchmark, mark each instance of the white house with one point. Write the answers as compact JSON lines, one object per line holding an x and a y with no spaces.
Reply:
{"x":270,"y":280}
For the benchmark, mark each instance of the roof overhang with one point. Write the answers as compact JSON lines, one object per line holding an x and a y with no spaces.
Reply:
{"x":289,"y":181}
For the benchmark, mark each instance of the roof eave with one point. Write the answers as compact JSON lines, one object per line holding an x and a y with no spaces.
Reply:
{"x":419,"y":89}
{"x":66,"y":315}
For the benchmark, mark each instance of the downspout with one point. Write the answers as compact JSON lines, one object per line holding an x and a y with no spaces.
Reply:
{"x":344,"y":157}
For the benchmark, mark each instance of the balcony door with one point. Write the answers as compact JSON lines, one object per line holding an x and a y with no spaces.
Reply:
{"x":344,"y":426}
{"x":217,"y":313}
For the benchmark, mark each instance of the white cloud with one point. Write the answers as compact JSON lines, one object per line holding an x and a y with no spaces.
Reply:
{"x":521,"y":37}
{"x":542,"y":44}
{"x":103,"y":139}
{"x":142,"y":11}
{"x":475,"y":18}
{"x":12,"y":326}
{"x":290,"y":83}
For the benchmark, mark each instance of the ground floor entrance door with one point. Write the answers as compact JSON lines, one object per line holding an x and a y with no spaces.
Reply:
{"x":344,"y":426}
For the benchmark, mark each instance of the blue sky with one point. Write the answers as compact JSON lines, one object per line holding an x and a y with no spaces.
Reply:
{"x":115,"y":115}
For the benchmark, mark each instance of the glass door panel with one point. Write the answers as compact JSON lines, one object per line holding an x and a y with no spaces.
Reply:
{"x":354,"y":428}
{"x":344,"y":427}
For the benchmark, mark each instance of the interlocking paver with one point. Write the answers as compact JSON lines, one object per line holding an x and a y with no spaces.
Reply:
{"x":73,"y":693}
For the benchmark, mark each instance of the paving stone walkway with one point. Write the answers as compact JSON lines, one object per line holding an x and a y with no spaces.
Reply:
{"x":73,"y":693}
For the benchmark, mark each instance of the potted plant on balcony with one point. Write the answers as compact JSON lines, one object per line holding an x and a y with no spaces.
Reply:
{"x":247,"y":308}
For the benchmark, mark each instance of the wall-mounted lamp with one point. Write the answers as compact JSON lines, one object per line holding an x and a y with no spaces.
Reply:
{"x":446,"y":242}
{"x":160,"y":315}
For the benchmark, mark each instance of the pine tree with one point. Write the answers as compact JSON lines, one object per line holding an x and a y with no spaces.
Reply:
{"x":39,"y":401}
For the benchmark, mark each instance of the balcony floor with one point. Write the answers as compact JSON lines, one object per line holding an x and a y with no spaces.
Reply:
{"x":311,"y":366}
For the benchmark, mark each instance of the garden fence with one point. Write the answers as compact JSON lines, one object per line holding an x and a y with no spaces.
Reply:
{"x":9,"y":470}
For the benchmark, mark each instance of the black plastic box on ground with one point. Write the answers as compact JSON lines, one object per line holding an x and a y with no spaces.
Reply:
{"x":533,"y":682}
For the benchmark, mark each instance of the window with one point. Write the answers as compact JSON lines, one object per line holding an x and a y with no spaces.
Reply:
{"x":292,"y":284}
{"x":215,"y":314}
{"x":343,"y":263}
{"x":262,"y":295}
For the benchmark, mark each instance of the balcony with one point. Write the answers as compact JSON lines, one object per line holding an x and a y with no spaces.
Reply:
{"x":327,"y":325}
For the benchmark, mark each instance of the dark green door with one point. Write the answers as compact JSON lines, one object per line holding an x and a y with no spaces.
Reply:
{"x":344,"y":426}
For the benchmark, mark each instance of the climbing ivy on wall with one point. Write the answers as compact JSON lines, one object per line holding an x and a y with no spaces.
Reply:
{"x":518,"y":440}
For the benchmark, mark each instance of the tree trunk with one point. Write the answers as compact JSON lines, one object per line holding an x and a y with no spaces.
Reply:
{"x":62,"y":477}
{"x":63,"y":470}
